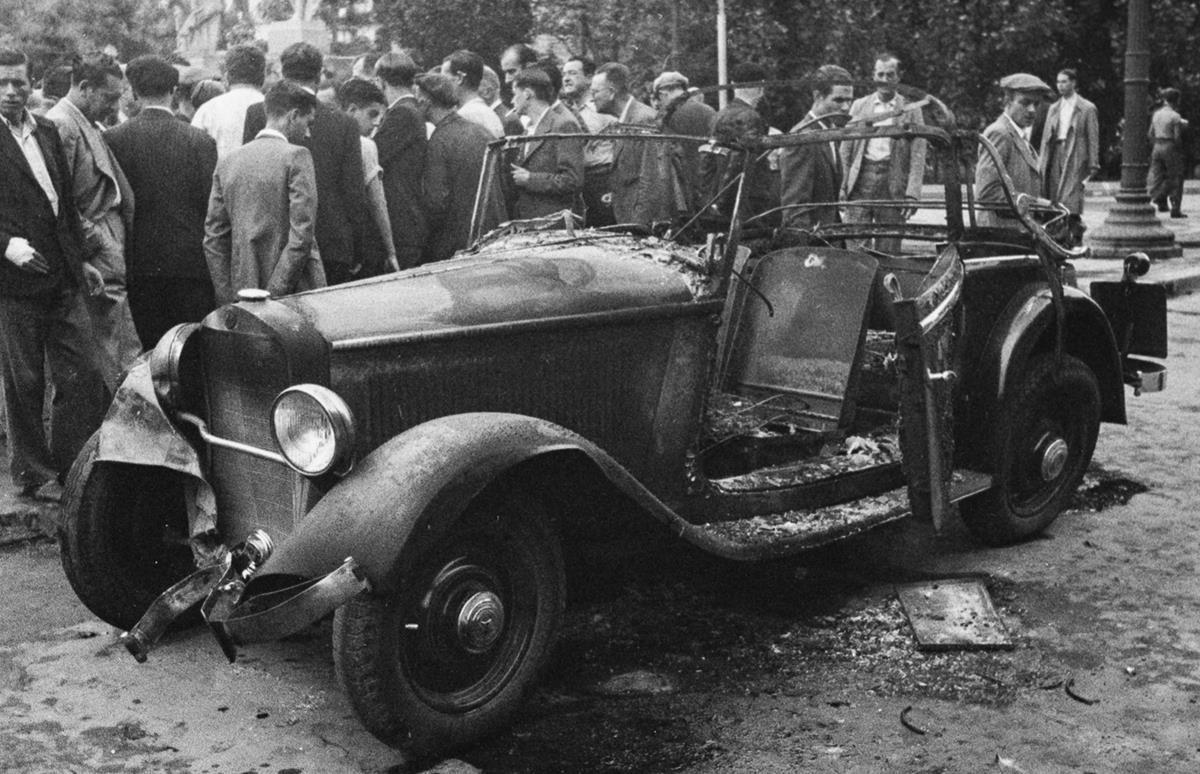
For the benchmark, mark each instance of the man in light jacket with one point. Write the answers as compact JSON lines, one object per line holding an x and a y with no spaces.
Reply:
{"x":259,"y":229}
{"x":1070,"y":152}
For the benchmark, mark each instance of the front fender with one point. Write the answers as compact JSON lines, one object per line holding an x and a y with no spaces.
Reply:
{"x":427,"y":473}
{"x":1026,"y":326}
{"x":137,"y":431}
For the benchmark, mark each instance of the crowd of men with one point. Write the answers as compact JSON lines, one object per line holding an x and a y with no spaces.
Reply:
{"x":122,"y":217}
{"x":116,"y":229}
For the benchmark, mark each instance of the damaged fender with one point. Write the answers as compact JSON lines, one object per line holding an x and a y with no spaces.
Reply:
{"x":421,"y":479}
{"x":137,"y":431}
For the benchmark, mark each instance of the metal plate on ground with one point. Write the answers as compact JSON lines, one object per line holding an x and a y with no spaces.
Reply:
{"x":953,"y":615}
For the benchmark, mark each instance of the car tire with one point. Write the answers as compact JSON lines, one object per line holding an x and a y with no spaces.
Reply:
{"x":1042,"y":442}
{"x":123,"y":536}
{"x":415,"y":677}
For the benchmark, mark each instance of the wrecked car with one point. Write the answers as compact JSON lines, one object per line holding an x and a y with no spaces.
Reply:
{"x":411,"y":452}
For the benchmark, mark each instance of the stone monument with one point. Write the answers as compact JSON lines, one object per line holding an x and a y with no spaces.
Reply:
{"x":198,"y":28}
{"x":303,"y":27}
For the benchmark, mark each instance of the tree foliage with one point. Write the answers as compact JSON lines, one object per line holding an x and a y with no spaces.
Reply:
{"x":53,"y":30}
{"x":957,"y":49}
{"x":434,"y":28}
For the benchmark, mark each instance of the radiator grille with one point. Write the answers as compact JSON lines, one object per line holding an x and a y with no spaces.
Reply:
{"x":244,"y":374}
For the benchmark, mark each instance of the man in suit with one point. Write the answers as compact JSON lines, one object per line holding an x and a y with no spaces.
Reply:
{"x":402,"y":141}
{"x":1010,"y":135}
{"x":810,"y":175}
{"x":1070,"y":152}
{"x":883,"y":168}
{"x":259,"y":229}
{"x":105,"y":203}
{"x":170,"y":166}
{"x":637,"y":195}
{"x":452,"y":167}
{"x":549,"y":176}
{"x":721,"y":161}
{"x":336,"y":152}
{"x":43,"y":277}
{"x":576,"y":96}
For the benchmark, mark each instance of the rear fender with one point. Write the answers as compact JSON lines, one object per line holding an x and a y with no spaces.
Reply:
{"x":424,"y":478}
{"x":1026,"y":326}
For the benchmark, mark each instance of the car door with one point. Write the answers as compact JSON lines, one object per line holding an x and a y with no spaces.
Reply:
{"x":926,"y":329}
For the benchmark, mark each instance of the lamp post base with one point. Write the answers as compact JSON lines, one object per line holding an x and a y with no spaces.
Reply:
{"x":1132,"y":227}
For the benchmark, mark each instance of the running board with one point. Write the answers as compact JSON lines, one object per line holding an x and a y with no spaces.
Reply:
{"x":792,"y":532}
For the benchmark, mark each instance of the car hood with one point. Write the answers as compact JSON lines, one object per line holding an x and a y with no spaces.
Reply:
{"x":520,"y":277}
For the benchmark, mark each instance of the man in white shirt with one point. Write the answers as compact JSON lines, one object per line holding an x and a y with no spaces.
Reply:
{"x":1070,"y":152}
{"x":576,"y":96}
{"x":43,"y":279}
{"x":224,"y":116}
{"x":466,"y":69}
{"x":883,"y":168}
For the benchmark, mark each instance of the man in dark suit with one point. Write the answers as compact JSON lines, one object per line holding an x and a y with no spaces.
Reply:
{"x":401,"y":141}
{"x":549,"y":175}
{"x":337,"y":158}
{"x":42,"y":281}
{"x":169,"y":165}
{"x":811,"y":175}
{"x":721,"y":162}
{"x":452,"y":167}
{"x":259,"y":229}
{"x":682,"y":113}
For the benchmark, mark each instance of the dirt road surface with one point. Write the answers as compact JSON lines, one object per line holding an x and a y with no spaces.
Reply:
{"x":674,"y":662}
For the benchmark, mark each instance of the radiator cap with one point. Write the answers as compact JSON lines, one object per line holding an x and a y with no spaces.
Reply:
{"x":254,"y":294}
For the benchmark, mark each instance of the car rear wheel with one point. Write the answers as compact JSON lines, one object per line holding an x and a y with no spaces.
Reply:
{"x":1042,"y":442}
{"x":447,"y":659}
{"x":123,"y":538}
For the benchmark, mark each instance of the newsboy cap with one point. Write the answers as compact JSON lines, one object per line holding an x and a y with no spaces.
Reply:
{"x":670,"y":78}
{"x":1023,"y":82}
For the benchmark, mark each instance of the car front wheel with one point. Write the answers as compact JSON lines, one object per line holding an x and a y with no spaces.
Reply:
{"x":447,"y":659}
{"x":123,"y":538}
{"x":1042,"y":441}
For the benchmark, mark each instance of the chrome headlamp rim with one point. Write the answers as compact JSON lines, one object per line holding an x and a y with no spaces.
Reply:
{"x":341,"y":421}
{"x":165,"y":360}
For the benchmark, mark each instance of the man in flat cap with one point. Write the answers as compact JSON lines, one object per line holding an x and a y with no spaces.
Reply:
{"x":1010,"y":135}
{"x":682,"y":113}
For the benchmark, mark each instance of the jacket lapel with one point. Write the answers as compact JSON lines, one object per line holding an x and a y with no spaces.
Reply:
{"x":9,"y":147}
{"x":1024,"y":147}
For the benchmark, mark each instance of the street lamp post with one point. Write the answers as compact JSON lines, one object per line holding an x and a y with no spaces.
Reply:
{"x":1131,"y":225}
{"x":722,"y":55}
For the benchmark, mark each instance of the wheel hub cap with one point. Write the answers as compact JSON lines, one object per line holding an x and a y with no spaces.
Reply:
{"x":480,"y":621}
{"x":1054,"y":453}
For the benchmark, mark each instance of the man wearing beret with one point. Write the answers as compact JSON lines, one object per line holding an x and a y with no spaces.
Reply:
{"x":1010,"y":135}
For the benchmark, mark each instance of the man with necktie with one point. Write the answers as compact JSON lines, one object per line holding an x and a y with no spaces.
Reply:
{"x":811,"y":175}
{"x":1010,"y":135}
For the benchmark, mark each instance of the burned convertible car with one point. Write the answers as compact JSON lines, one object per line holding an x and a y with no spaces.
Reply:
{"x":412,"y":452}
